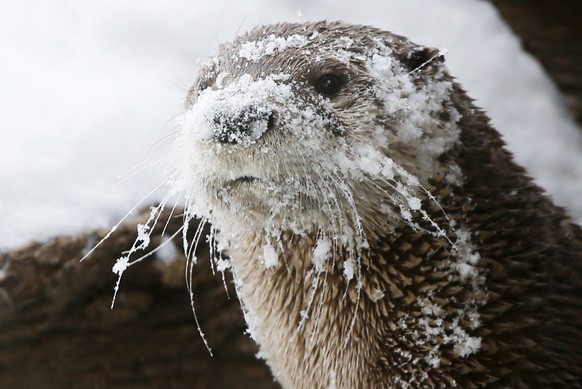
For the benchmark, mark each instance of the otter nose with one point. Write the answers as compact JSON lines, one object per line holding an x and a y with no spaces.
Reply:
{"x":247,"y":124}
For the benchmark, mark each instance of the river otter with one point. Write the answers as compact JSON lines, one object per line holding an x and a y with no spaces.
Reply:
{"x":379,"y":233}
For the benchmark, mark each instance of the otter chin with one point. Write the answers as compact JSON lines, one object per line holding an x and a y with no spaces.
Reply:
{"x":378,"y":231}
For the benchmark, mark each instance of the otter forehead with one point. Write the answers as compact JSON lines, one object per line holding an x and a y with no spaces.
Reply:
{"x":323,"y":36}
{"x":302,"y":51}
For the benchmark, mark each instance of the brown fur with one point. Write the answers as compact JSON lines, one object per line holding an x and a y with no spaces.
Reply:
{"x":529,"y":299}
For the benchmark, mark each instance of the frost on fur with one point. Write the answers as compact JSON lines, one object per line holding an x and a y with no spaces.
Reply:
{"x":264,"y":160}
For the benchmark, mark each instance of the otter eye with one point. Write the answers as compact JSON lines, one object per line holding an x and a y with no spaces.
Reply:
{"x":329,"y":85}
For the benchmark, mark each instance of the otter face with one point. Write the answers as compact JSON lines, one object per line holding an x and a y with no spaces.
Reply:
{"x":286,"y":129}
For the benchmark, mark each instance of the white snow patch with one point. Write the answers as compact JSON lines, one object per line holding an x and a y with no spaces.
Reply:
{"x":466,"y":345}
{"x":321,"y":253}
{"x":269,"y":257}
{"x":253,"y":327}
{"x":332,"y":379}
{"x":349,"y":269}
{"x":121,"y":265}
{"x":255,"y":50}
{"x":467,"y":256}
{"x":222,"y":265}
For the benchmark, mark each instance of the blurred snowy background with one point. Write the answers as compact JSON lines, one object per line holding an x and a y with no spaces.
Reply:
{"x":88,"y":89}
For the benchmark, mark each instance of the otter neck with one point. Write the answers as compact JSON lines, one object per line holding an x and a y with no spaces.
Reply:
{"x":319,"y":329}
{"x":302,"y":329}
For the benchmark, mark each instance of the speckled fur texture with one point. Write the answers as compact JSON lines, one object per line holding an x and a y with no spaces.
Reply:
{"x":378,"y":330}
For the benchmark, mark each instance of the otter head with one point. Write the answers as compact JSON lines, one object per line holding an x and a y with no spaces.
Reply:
{"x":316,"y":127}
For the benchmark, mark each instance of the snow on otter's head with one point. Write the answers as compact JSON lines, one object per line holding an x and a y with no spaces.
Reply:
{"x":289,"y":125}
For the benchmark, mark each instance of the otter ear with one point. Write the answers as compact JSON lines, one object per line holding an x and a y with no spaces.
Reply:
{"x":422,"y":57}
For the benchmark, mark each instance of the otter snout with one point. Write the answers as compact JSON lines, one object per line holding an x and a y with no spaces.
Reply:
{"x":245,"y":125}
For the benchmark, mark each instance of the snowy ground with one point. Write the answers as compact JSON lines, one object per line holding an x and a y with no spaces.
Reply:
{"x":88,"y":90}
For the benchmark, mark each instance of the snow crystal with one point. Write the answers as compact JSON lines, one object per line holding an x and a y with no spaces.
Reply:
{"x":255,"y":50}
{"x":349,"y":269}
{"x":414,"y":203}
{"x":321,"y":253}
{"x":253,"y":327}
{"x":467,"y":257}
{"x":222,"y":265}
{"x":466,"y":345}
{"x":269,"y":257}
{"x":332,"y":379}
{"x":416,"y":109}
{"x":466,"y":270}
{"x":121,"y":265}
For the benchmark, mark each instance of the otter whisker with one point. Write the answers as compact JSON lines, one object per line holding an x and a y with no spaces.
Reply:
{"x":353,"y":255}
{"x":160,"y":246}
{"x":440,"y":52}
{"x":190,"y":261}
{"x":211,"y":253}
{"x":114,"y":228}
{"x":398,"y":201}
{"x":141,"y":242}
{"x":400,"y":188}
{"x":217,"y":263}
{"x":191,"y":253}
{"x":304,"y":313}
{"x":319,"y":312}
{"x":221,"y":263}
{"x":337,"y":219}
{"x":171,"y":215}
{"x":435,"y":201}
